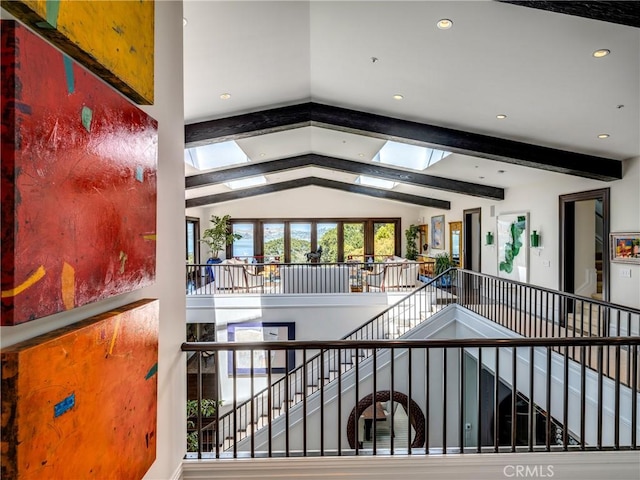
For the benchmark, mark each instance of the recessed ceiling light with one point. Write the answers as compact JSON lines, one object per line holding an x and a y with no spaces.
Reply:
{"x":445,"y":24}
{"x":603,"y":52}
{"x":262,"y":154}
{"x":480,"y":178}
{"x":501,"y":171}
{"x":397,"y":96}
{"x":184,"y":21}
{"x":501,"y":116}
{"x":361,"y":154}
{"x":225,"y":96}
{"x":603,"y":135}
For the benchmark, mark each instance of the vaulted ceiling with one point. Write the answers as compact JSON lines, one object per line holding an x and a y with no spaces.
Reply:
{"x":310,"y":88}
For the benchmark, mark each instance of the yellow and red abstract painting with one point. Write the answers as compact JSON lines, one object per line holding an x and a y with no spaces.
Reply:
{"x":112,"y":38}
{"x":80,"y":402}
{"x":78,"y":185}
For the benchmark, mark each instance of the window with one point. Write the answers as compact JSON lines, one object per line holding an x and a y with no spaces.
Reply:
{"x":244,"y":247}
{"x":273,"y":241}
{"x":300,"y":241}
{"x":290,"y":240}
{"x":327,"y":234}
{"x":193,"y":236}
{"x":383,"y":240}
{"x":353,"y":241}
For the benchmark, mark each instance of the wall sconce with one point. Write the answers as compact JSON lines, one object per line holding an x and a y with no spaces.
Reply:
{"x":489,"y":238}
{"x":535,"y":239}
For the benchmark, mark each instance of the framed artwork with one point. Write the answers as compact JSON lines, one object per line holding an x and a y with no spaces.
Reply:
{"x":83,"y":398}
{"x":437,"y":232}
{"x":78,"y":184}
{"x":114,"y":40}
{"x":625,"y":247}
{"x":513,"y":252}
{"x":261,"y":332}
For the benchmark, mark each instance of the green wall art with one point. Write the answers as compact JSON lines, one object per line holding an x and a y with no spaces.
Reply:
{"x":513,"y":259}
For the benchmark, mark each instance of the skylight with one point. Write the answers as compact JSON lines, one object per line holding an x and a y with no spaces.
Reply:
{"x":246,"y":182}
{"x":409,"y":156}
{"x":215,"y":155}
{"x":375,"y":182}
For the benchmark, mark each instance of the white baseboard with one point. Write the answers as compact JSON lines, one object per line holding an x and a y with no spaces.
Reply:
{"x":622,"y":465}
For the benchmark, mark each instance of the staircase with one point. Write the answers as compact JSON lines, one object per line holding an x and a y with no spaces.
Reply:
{"x":598,"y":294}
{"x":273,"y":402}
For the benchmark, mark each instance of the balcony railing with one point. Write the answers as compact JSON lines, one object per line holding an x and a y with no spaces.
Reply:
{"x":302,"y":278}
{"x":590,"y":359}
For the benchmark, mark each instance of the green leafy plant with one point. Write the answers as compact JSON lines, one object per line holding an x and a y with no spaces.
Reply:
{"x":219,"y":235}
{"x":208,"y":407}
{"x":443,"y":263}
{"x":512,"y":248}
{"x":411,"y":234}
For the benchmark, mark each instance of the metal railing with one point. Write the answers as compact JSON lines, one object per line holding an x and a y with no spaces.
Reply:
{"x":525,"y":309}
{"x":436,"y":396}
{"x":238,"y":277}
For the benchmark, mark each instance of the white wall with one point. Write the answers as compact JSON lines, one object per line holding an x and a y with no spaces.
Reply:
{"x":541,"y":201}
{"x":169,"y":286}
{"x":310,"y":202}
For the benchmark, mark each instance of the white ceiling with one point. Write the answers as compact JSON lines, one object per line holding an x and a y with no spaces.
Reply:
{"x":532,"y":65}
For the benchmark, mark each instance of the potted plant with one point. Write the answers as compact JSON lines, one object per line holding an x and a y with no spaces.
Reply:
{"x":208,"y":410}
{"x":411,"y":234}
{"x":442,"y":264}
{"x":218,"y":236}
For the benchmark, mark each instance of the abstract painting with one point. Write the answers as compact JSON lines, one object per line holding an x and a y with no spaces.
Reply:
{"x":513,"y":248}
{"x":78,"y":184}
{"x":81,"y":401}
{"x":625,"y":247}
{"x":437,"y":232}
{"x":261,"y":332}
{"x":114,"y":40}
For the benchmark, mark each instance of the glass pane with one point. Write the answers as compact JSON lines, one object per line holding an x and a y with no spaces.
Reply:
{"x":300,"y":242}
{"x":191,"y":243}
{"x":243,"y":248}
{"x":384,"y":243}
{"x":354,"y":241}
{"x":273,"y":240}
{"x":327,"y":234}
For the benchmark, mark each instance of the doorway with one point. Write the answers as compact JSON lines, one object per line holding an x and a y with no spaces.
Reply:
{"x":472,"y":245}
{"x":584,"y":234}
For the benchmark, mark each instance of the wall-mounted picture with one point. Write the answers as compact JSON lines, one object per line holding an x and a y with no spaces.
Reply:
{"x":625,"y":247}
{"x":437,"y":232}
{"x":261,"y":332}
{"x":83,"y":398}
{"x":78,"y":183}
{"x":513,"y":254}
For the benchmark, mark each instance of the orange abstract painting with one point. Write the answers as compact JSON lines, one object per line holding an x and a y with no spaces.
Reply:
{"x":80,"y":402}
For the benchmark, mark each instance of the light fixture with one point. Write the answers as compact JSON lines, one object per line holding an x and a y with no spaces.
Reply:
{"x":603,"y":135}
{"x":444,"y":24}
{"x":603,"y":52}
{"x":535,"y":239}
{"x":184,"y":21}
{"x":225,"y":96}
{"x":489,"y":238}
{"x":397,"y":96}
{"x":501,"y":116}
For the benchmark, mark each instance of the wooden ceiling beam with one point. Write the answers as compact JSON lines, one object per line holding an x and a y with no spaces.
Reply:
{"x":387,"y":128}
{"x":318,"y":182}
{"x":621,"y":12}
{"x":338,"y":164}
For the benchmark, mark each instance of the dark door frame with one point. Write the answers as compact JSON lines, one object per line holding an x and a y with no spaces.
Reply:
{"x":468,"y":247}
{"x":567,"y":237}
